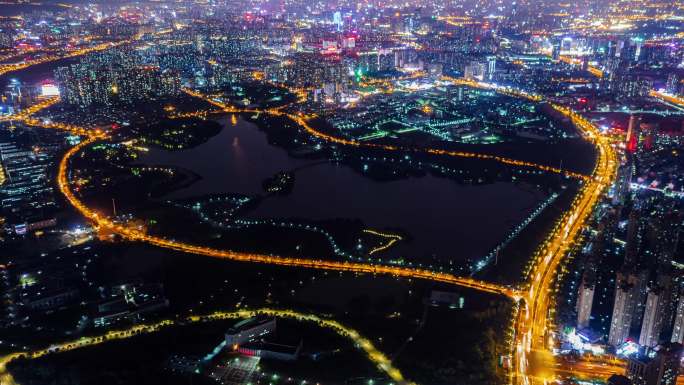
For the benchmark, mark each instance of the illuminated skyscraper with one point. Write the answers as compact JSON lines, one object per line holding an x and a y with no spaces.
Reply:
{"x":621,"y":319}
{"x":672,"y":83}
{"x":491,"y":67}
{"x":337,"y":20}
{"x":649,"y":331}
{"x":634,"y":237}
{"x":654,"y":316}
{"x":678,"y":327}
{"x":623,"y":182}
{"x":585,"y":301}
{"x":632,"y":139}
{"x":666,"y":230}
{"x":475,"y":71}
{"x":555,"y":53}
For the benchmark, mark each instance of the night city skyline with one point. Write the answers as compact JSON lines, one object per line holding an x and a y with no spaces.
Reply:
{"x":279,"y":192}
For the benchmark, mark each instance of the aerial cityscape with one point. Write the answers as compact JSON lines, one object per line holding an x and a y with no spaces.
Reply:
{"x":375,"y":192}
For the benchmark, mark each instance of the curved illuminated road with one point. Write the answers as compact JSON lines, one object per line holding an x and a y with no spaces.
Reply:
{"x":303,"y":121}
{"x":5,"y":68}
{"x":134,"y":234}
{"x":11,"y":67}
{"x":27,"y":112}
{"x":668,"y":98}
{"x":532,"y":322}
{"x":372,"y":353}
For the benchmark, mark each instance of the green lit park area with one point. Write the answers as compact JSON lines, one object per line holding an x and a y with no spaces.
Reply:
{"x":177,"y":134}
{"x":249,"y":93}
{"x":437,"y":111}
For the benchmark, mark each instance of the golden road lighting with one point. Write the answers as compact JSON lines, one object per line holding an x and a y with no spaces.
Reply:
{"x":532,"y":319}
{"x":372,"y":353}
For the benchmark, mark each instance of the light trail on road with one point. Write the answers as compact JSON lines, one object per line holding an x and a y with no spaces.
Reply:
{"x":578,"y":62}
{"x":591,"y":371}
{"x":668,"y":98}
{"x":381,"y":361}
{"x":72,"y":129}
{"x":26,"y":116}
{"x":26,"y":113}
{"x":533,"y":321}
{"x":11,"y":67}
{"x":6,"y":68}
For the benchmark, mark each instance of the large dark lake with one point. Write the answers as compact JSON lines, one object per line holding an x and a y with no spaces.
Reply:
{"x":447,"y":219}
